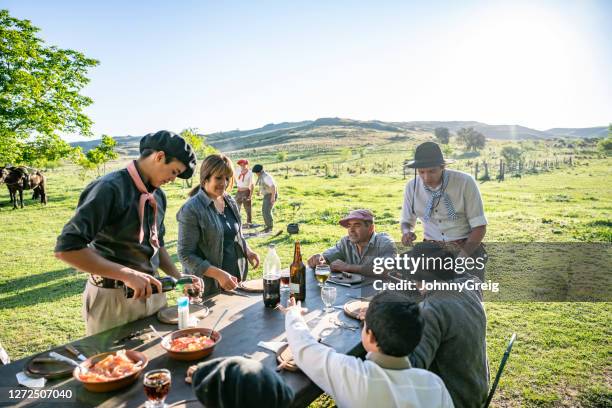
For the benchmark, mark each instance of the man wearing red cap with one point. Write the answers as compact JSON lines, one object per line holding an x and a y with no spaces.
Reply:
{"x":355,"y":252}
{"x":245,"y":184}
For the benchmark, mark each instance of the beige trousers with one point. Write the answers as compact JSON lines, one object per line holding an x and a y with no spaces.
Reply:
{"x":105,"y":308}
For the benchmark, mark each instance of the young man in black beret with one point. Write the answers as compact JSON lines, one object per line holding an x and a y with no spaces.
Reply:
{"x":237,"y":382}
{"x":267,"y":188}
{"x":117,"y":234}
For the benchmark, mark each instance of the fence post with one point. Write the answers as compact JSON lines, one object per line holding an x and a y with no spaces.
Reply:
{"x":476,"y":171}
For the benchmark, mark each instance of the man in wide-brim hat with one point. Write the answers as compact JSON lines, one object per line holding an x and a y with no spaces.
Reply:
{"x":447,"y":202}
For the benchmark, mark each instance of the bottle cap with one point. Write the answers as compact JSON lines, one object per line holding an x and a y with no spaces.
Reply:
{"x":183,"y":301}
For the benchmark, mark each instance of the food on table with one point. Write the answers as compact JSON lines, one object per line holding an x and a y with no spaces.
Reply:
{"x":110,"y":368}
{"x":191,"y":342}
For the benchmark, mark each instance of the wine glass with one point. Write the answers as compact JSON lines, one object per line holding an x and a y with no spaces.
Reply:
{"x":322,"y":272}
{"x":328,"y":296}
{"x":156,"y":387}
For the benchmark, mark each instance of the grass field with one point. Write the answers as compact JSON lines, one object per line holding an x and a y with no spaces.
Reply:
{"x":561,"y":357}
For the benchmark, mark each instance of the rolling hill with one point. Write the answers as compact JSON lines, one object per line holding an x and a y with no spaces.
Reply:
{"x":350,"y":132}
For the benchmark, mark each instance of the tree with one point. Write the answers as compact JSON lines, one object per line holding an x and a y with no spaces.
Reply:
{"x":281,"y":156}
{"x":198,"y":143}
{"x":512,"y":154}
{"x":442,"y":134}
{"x":40,"y":89}
{"x":43,"y":151}
{"x":99,"y":155}
{"x":471,"y":138}
{"x":605,"y":145}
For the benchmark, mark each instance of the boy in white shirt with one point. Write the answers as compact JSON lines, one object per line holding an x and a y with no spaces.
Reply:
{"x":392,"y":329}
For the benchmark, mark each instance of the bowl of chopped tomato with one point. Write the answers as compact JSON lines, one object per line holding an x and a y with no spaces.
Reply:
{"x":191,"y":344}
{"x":110,"y":371}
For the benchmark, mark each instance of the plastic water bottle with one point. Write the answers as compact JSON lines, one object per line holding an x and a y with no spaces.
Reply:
{"x":183,"y":312}
{"x":272,"y":263}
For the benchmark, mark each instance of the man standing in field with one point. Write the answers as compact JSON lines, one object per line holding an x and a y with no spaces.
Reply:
{"x":447,"y":202}
{"x":356,"y":251}
{"x":117,"y":234}
{"x":244,"y":182}
{"x":268,"y":189}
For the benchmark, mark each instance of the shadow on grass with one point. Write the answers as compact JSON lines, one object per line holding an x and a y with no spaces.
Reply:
{"x":46,"y":294}
{"x":21,"y":284}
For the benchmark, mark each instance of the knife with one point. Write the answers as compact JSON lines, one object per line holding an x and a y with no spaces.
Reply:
{"x":72,"y":350}
{"x":348,"y":285}
{"x":234,"y":293}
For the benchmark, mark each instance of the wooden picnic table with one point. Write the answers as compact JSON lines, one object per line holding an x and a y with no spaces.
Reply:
{"x":246,"y":323}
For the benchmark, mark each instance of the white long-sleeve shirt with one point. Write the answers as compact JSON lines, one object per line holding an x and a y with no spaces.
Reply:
{"x":379,"y":381}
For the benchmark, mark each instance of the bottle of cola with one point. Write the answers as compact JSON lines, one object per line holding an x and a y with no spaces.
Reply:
{"x":271,"y":278}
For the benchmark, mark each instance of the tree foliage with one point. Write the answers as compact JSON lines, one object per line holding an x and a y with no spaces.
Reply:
{"x":99,"y":155}
{"x":442,"y":134}
{"x":281,"y":156}
{"x":198,"y":143}
{"x":471,"y":139}
{"x":512,"y":154}
{"x":40,"y":93}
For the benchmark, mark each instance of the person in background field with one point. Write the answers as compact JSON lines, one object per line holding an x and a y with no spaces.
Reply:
{"x":238,"y":382}
{"x":454,"y":342}
{"x":117,"y":234}
{"x":447,"y":202}
{"x":210,"y":241}
{"x":355,"y":252}
{"x":268,"y":189}
{"x":245,"y":185}
{"x":392,"y":329}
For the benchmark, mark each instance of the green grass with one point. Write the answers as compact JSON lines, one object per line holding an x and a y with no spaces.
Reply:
{"x":562,"y":353}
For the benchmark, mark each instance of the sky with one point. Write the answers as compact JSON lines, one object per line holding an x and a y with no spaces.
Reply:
{"x":225,"y":65}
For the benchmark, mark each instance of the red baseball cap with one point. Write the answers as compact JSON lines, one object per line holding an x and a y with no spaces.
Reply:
{"x":242,"y":161}
{"x":364,"y":215}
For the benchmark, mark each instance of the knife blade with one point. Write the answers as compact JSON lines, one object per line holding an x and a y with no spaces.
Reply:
{"x":348,"y":285}
{"x":72,"y":350}
{"x":234,"y":293}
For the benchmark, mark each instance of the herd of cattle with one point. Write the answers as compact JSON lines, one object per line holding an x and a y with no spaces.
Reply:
{"x":22,"y":178}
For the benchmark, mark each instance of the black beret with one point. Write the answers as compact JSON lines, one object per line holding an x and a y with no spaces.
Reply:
{"x":239,"y":382}
{"x":173,"y":145}
{"x":257,"y":168}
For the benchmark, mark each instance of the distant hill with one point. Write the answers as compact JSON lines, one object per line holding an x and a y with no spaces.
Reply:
{"x":601,"y":131}
{"x":348,"y":131}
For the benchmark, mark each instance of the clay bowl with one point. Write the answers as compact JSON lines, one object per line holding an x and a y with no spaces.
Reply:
{"x":195,"y":354}
{"x":117,"y":383}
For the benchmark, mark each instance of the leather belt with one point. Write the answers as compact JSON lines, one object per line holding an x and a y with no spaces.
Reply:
{"x":457,"y":241}
{"x":106,"y":283}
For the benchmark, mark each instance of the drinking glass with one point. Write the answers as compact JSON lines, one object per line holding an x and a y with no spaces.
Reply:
{"x":322,"y":273}
{"x":328,"y":296}
{"x":156,"y":387}
{"x":285,"y":276}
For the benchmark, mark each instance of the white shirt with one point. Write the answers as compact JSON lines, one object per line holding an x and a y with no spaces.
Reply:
{"x":266,"y":182}
{"x":243,"y":183}
{"x":466,"y":199}
{"x":379,"y":381}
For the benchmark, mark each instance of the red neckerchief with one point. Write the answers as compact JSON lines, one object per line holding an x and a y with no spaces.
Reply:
{"x":243,"y":174}
{"x":144,"y":197}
